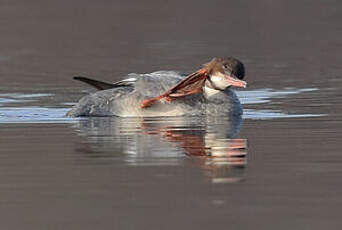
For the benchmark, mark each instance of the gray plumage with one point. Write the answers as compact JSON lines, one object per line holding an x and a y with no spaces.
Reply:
{"x":213,"y":95}
{"x":125,"y":101}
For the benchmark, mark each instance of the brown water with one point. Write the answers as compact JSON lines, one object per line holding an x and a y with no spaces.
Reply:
{"x":278,"y":168}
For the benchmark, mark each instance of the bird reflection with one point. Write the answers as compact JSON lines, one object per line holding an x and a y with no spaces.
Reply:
{"x":211,"y":144}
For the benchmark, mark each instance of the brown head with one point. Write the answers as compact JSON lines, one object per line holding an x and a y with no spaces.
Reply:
{"x":225,"y":72}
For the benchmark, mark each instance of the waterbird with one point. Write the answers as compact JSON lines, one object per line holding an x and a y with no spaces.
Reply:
{"x":206,"y":91}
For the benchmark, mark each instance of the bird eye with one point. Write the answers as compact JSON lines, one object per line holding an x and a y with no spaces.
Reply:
{"x":225,"y":66}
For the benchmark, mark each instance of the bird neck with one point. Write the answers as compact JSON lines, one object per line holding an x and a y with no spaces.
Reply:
{"x":209,"y":91}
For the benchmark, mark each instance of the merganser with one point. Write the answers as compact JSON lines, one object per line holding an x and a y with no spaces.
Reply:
{"x":166,"y":93}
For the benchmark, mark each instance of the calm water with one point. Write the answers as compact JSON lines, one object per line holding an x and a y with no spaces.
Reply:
{"x":278,"y":167}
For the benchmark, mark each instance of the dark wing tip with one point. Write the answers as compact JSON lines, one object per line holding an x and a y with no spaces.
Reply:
{"x":100,"y":85}
{"x":79,"y":78}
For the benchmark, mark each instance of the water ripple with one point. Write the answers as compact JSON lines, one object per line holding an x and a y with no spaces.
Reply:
{"x":10,"y":113}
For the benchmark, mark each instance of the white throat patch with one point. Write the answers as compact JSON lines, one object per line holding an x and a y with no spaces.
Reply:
{"x":219,"y":81}
{"x":210,"y":91}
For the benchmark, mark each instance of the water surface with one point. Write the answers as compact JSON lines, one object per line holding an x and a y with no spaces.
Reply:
{"x":278,"y":167}
{"x":79,"y":172}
